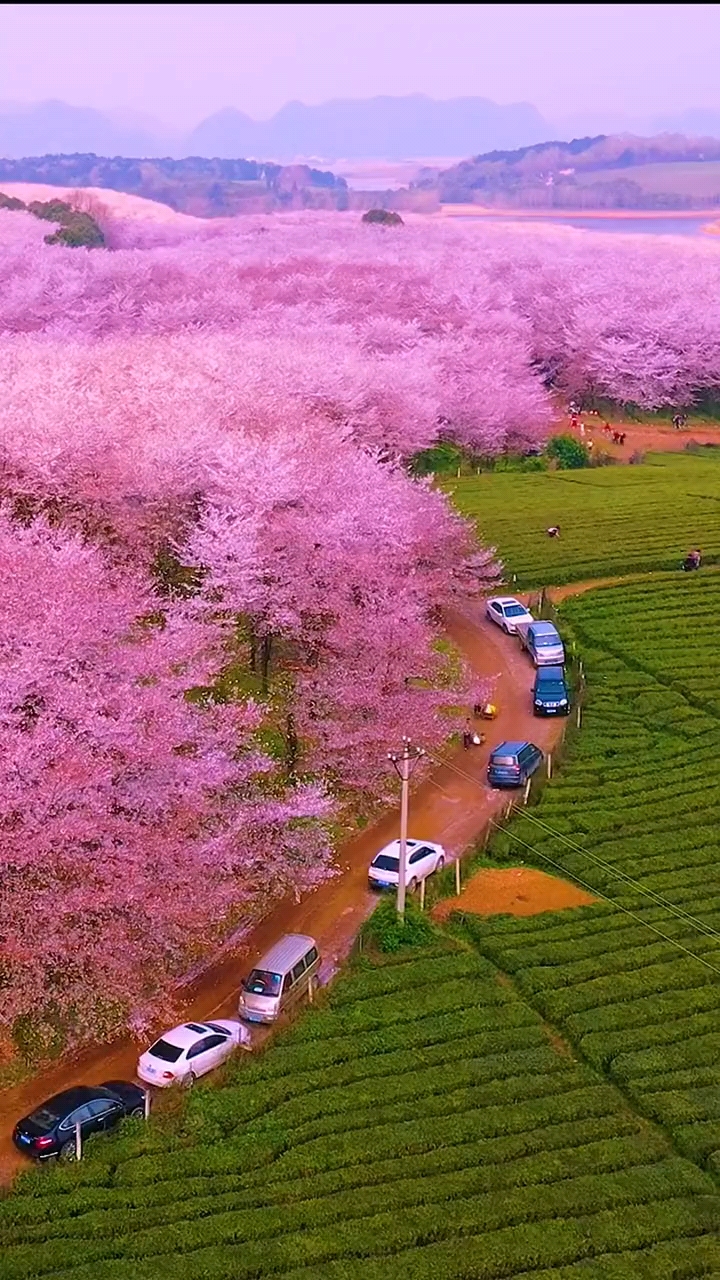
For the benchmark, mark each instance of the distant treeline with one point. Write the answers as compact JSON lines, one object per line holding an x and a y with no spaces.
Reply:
{"x":195,"y":185}
{"x":556,"y":174}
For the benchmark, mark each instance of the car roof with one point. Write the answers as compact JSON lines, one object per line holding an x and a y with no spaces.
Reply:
{"x":71,"y":1098}
{"x":183,"y":1036}
{"x":550,"y":673}
{"x":506,"y":600}
{"x":545,"y":627}
{"x":286,"y":953}
{"x":393,"y":849}
{"x":508,"y":748}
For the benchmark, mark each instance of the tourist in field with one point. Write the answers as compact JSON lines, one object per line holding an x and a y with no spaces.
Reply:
{"x":553,"y":531}
{"x":693,"y":560}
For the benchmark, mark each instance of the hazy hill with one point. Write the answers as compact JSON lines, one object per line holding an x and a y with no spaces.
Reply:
{"x":55,"y":127}
{"x":389,"y":127}
{"x":617,"y":171}
{"x":394,"y":128}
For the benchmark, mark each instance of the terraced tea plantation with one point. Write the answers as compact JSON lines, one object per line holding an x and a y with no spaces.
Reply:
{"x":638,"y":994}
{"x":424,"y":1125}
{"x":613,"y":520}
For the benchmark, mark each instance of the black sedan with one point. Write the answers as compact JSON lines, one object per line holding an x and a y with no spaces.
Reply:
{"x":50,"y":1131}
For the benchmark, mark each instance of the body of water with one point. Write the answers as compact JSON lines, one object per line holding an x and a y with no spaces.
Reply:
{"x":668,"y":226}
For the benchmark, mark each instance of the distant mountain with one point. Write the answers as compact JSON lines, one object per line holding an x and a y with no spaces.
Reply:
{"x":56,"y":127}
{"x":696,"y":122}
{"x":373,"y":128}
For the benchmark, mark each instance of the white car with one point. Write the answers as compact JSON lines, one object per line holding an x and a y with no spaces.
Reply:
{"x":507,"y":612}
{"x":188,"y":1051}
{"x":421,"y":859}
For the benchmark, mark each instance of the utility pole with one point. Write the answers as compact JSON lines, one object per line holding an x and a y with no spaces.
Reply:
{"x":403,"y":765}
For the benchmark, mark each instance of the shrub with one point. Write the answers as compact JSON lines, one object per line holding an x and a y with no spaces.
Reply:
{"x":569,"y":453}
{"x":383,"y":218}
{"x":389,"y":933}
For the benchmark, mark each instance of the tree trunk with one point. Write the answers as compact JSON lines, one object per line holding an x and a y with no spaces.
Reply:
{"x":265,"y":656}
{"x":252,"y":642}
{"x":292,"y":747}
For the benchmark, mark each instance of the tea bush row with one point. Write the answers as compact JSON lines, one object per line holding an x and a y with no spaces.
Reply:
{"x":644,"y":798}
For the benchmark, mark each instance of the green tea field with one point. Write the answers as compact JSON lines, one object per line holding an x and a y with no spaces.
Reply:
{"x":635,"y":982}
{"x":425,"y":1124}
{"x":613,"y":520}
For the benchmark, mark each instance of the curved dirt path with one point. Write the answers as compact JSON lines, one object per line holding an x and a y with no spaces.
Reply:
{"x":640,"y":437}
{"x":445,"y":807}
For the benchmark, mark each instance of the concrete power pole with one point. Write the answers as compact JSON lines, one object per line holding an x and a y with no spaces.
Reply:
{"x":403,"y":765}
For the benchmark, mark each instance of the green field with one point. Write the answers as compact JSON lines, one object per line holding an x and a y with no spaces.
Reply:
{"x":424,"y":1125}
{"x":640,"y":791}
{"x":613,"y":520}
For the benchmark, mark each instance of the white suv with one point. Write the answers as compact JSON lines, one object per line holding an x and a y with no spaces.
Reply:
{"x":422,"y":857}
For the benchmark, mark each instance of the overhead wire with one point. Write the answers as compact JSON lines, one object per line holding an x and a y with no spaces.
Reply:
{"x":677,"y":912}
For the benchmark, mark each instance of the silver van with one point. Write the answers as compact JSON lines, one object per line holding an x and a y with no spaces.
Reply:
{"x":286,"y":973}
{"x":544,"y":645}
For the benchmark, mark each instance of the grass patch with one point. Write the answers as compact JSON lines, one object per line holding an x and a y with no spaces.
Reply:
{"x":613,"y":520}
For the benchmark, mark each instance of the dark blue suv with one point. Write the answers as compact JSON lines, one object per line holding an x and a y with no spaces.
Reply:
{"x":512,"y":763}
{"x":551,"y":696}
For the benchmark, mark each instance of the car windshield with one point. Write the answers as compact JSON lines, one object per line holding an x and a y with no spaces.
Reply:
{"x":263,"y":983}
{"x":504,"y":760}
{"x":44,"y":1118}
{"x":554,"y":688}
{"x":215,"y":1026}
{"x":386,"y":862}
{"x":513,"y":610}
{"x":543,"y":641}
{"x":165,"y":1051}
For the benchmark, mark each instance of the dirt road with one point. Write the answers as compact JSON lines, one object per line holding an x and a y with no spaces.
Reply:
{"x":640,"y":437}
{"x":446,"y":807}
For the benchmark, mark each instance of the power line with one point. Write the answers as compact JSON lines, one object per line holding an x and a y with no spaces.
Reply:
{"x":677,"y":912}
{"x":599,"y":894}
{"x":623,"y":876}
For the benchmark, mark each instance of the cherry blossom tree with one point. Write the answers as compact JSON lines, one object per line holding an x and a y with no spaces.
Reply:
{"x":136,"y":822}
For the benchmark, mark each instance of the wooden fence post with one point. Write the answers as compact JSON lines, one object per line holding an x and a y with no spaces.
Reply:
{"x":78,"y":1141}
{"x":146,"y":1104}
{"x":457,"y":876}
{"x":549,"y":764}
{"x":422,"y":894}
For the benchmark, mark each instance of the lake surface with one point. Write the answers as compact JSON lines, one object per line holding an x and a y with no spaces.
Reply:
{"x":668,"y":226}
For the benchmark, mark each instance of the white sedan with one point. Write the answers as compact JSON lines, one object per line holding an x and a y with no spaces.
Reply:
{"x":507,"y":612}
{"x":421,"y":859}
{"x":188,"y":1051}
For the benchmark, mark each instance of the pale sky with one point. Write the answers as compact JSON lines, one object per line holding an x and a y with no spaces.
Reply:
{"x":180,"y":63}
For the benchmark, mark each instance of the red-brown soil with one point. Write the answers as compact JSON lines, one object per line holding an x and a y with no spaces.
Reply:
{"x":515,"y":891}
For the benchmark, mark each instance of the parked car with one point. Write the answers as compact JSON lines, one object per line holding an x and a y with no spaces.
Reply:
{"x":49,"y":1131}
{"x":551,"y":696}
{"x":508,"y":613}
{"x":512,"y":763}
{"x":191,"y":1050}
{"x":543,"y":643}
{"x":286,"y":973}
{"x":422,"y":857}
